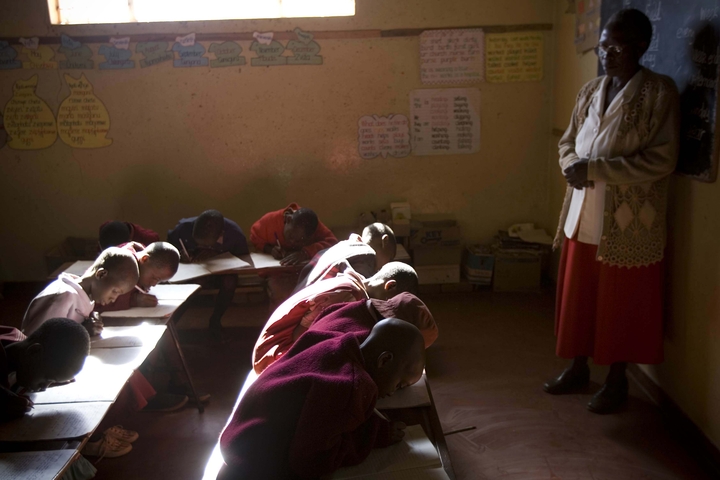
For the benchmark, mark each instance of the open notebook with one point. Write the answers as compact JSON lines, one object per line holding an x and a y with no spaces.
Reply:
{"x":415,"y":457}
{"x":32,"y":465}
{"x":54,"y":422}
{"x":415,"y":395}
{"x":170,"y":297}
{"x":225,"y":262}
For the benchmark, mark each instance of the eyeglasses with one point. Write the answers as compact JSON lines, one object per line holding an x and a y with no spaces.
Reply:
{"x":603,"y":51}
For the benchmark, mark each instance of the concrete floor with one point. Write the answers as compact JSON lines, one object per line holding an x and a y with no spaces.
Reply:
{"x":486,"y":370}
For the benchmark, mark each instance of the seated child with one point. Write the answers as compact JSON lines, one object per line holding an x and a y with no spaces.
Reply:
{"x":312,"y":411}
{"x":114,"y":273}
{"x":202,"y":237}
{"x":54,"y":353}
{"x":114,"y":234}
{"x":366,"y":254}
{"x":292,"y":235}
{"x":157,"y":262}
{"x":296,"y":314}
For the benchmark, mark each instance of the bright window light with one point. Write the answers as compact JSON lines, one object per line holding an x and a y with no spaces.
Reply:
{"x":74,"y":12}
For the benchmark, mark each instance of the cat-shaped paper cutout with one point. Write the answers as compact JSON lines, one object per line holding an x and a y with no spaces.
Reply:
{"x":8,"y":57}
{"x":267,"y":55}
{"x":40,"y":59}
{"x":190,"y":56}
{"x":29,"y":121}
{"x":83,"y":120}
{"x":304,"y":53}
{"x":115,"y":58}
{"x":227,"y":54}
{"x":154,"y":52}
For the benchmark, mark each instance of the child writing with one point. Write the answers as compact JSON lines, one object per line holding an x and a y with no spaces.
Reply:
{"x":54,"y":353}
{"x":311,"y":412}
{"x":114,"y":233}
{"x":292,"y":235}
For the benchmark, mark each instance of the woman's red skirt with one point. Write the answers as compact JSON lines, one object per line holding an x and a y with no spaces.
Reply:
{"x":612,"y":314}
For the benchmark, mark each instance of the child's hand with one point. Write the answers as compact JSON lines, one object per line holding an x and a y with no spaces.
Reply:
{"x":294,"y":258}
{"x":94,"y":324}
{"x":144,"y":300}
{"x":17,"y":406}
{"x":277,"y":253}
{"x":397,"y":431}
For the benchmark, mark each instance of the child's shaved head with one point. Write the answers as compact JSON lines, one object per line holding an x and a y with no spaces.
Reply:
{"x":113,"y":234}
{"x":394,"y":355}
{"x":382,"y":239}
{"x":158,"y":263}
{"x":114,"y":273}
{"x":55,"y":352}
{"x":300,"y":226}
{"x":208,"y":228}
{"x":392,"y":279}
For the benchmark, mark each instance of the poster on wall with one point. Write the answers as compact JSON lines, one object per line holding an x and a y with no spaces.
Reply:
{"x":83,"y":120}
{"x":29,"y":121}
{"x":383,"y":136}
{"x":514,"y":57}
{"x":452,"y":56}
{"x":587,"y":25}
{"x":445,"y":121}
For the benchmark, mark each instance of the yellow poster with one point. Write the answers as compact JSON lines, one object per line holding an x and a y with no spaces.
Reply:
{"x":514,"y":57}
{"x":40,"y":58}
{"x":29,"y":121}
{"x":83,"y":120}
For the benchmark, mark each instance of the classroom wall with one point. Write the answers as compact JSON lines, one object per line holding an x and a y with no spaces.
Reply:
{"x":691,"y":371}
{"x":252,"y":139}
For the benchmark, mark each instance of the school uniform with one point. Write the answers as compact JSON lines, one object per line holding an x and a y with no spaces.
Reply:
{"x":139,"y":234}
{"x":233,"y":238}
{"x":264,"y":231}
{"x":307,"y":415}
{"x":63,"y":298}
{"x":302,"y":308}
{"x":124,"y":301}
{"x":330,"y":262}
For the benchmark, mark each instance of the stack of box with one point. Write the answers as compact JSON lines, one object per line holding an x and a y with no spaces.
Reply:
{"x":518,"y":264}
{"x":479,"y":264}
{"x":401,"y":217}
{"x":437,"y":252}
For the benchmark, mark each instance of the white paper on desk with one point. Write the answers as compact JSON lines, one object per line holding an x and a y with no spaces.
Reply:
{"x":104,"y":374}
{"x":138,"y":336}
{"x":80,"y":267}
{"x":225,"y":262}
{"x":414,"y":451}
{"x":54,"y":422}
{"x":415,"y":395}
{"x":164,"y":308}
{"x":32,"y":465}
{"x":173,"y":292}
{"x":264,"y":260}
{"x":188,"y":271}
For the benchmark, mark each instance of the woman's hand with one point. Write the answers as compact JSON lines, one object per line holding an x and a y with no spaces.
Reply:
{"x":577,"y":174}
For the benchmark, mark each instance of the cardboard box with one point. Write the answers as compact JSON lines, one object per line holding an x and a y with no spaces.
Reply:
{"x":71,"y":249}
{"x":437,"y":256}
{"x":445,"y":233}
{"x":438,"y":274}
{"x":517,"y":272}
{"x":479,"y":265}
{"x":401,"y":229}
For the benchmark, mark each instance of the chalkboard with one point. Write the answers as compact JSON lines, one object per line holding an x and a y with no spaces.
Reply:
{"x":684,"y":46}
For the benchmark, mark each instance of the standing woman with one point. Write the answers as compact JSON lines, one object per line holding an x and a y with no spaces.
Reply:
{"x":617,"y":156}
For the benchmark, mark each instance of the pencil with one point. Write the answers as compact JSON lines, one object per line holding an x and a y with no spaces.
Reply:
{"x":184,"y":249}
{"x":277,"y":240}
{"x":379,"y":414}
{"x":140,"y":289}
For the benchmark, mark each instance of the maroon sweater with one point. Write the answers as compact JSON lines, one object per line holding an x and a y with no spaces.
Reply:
{"x":307,"y":415}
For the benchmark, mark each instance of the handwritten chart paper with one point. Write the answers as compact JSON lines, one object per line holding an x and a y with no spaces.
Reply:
{"x":445,"y":121}
{"x":29,"y":121}
{"x":514,"y":57}
{"x":54,"y":422}
{"x":383,"y":136}
{"x":34,"y":465}
{"x":451,"y":56}
{"x":83,"y":120}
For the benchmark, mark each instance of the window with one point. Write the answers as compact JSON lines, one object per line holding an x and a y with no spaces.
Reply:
{"x":74,"y":12}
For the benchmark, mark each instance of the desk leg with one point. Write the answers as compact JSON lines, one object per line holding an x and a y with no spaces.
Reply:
{"x":437,"y":430}
{"x":173,"y":332}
